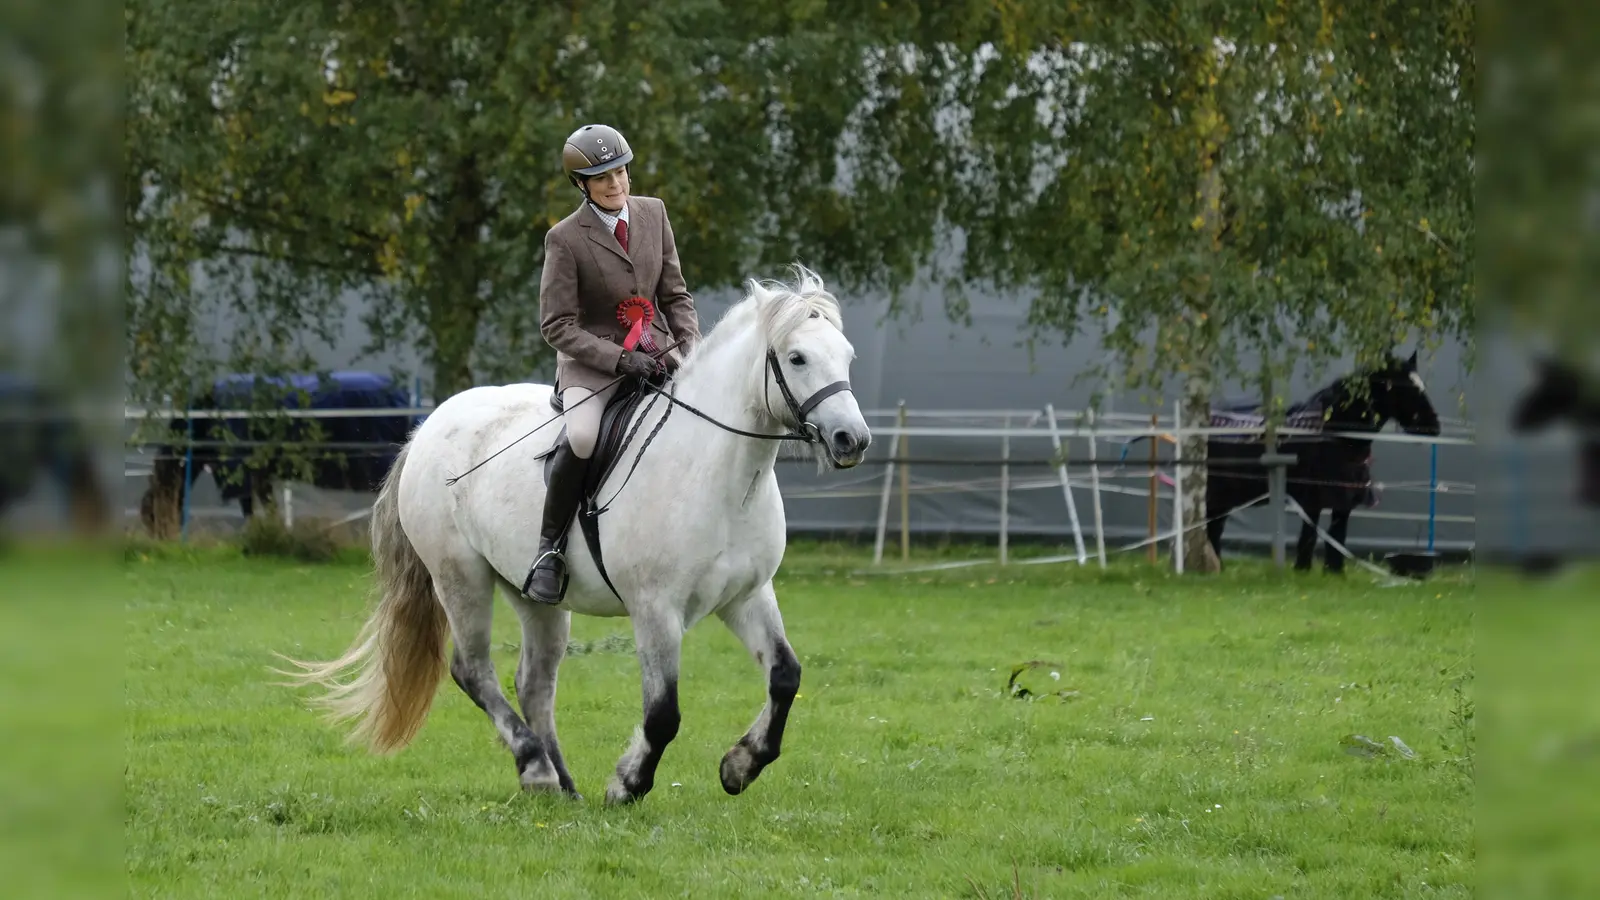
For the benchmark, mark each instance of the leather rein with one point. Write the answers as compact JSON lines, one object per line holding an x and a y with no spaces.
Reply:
{"x":806,"y":432}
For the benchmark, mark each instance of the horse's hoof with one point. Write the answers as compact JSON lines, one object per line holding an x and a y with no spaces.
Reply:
{"x":618,"y":795}
{"x":739,"y":768}
{"x":540,"y":778}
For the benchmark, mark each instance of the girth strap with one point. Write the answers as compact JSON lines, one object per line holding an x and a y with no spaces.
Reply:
{"x":589,"y":521}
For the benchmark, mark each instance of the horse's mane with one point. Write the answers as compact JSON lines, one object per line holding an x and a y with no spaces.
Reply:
{"x":778,"y":308}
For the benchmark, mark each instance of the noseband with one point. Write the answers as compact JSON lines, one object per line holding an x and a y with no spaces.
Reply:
{"x":808,"y":430}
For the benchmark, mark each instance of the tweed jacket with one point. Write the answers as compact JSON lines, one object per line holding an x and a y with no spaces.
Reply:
{"x":587,"y":274}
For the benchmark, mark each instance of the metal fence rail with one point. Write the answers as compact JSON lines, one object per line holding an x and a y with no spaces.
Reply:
{"x":1091,"y":473}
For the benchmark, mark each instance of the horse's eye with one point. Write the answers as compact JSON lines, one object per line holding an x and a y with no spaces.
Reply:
{"x":797,"y":359}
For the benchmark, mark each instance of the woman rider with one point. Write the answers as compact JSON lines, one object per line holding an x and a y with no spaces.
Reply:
{"x":613,"y":247}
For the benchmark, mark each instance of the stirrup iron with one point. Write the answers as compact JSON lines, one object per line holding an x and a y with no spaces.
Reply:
{"x":559,"y":552}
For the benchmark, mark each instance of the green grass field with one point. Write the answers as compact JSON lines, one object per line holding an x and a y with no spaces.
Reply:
{"x":1197,"y":743}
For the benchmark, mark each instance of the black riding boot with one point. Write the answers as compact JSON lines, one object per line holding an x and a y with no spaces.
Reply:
{"x":560,"y":505}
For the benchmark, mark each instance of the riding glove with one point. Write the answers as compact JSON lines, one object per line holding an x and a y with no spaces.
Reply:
{"x":636,"y":363}
{"x":675,"y":358}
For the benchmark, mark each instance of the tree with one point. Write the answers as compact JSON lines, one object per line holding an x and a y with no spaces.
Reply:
{"x":281,"y":157}
{"x":1203,"y":184}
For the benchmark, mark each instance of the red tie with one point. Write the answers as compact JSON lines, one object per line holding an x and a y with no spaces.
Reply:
{"x":622,"y":235}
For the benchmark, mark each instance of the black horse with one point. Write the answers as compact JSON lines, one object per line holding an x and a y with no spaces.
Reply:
{"x":1562,"y":392}
{"x":1330,"y":472}
{"x":38,"y":437}
{"x":246,"y":455}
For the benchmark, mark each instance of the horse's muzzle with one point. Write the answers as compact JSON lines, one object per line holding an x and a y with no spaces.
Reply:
{"x":846,"y":448}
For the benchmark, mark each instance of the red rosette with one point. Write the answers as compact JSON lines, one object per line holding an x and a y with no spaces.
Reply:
{"x":637,"y":313}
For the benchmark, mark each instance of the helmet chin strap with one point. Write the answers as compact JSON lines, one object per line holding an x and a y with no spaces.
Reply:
{"x":583,"y":185}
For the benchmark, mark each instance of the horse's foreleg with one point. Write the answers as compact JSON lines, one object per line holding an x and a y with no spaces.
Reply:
{"x":544,"y":643}
{"x":1306,"y":547}
{"x":759,"y":625}
{"x":658,"y":637}
{"x":1338,"y":528}
{"x":1214,"y":529}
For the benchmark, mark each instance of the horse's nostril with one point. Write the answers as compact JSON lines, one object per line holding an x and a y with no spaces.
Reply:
{"x":843,"y":441}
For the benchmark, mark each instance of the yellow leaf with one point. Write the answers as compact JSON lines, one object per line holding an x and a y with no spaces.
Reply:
{"x":1198,"y":222}
{"x":389,"y":257}
{"x":338,"y":98}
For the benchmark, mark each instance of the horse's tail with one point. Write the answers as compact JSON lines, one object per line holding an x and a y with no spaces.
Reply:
{"x":398,"y":658}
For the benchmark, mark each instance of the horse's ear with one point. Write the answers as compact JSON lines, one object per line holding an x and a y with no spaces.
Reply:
{"x":1411,"y":362}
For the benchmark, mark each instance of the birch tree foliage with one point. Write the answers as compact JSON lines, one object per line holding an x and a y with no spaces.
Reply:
{"x":284,"y":155}
{"x":1204,"y":185}
{"x":1284,"y":177}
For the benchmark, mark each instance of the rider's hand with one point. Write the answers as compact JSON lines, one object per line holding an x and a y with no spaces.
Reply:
{"x":675,"y":358}
{"x":633,"y":362}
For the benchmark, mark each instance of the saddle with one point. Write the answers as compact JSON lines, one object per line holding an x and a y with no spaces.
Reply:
{"x":614,"y":437}
{"x":614,"y":420}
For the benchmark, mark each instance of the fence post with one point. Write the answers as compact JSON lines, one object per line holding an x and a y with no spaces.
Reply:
{"x":1005,"y":488}
{"x":1177,"y":486}
{"x":888,"y":485}
{"x":1066,"y":483}
{"x":288,"y":506}
{"x":188,"y":475}
{"x":1433,"y":492}
{"x":1152,"y":551}
{"x":1094,"y":482}
{"x":1277,"y":487}
{"x":905,"y":489}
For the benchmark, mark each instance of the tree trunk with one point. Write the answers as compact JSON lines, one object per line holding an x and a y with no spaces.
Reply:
{"x":1198,"y":556}
{"x":1203,"y":326}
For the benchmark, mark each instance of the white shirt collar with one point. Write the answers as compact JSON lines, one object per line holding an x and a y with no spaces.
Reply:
{"x":610,"y":219}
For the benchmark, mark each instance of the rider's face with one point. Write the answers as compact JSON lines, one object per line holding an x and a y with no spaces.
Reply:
{"x":609,"y":190}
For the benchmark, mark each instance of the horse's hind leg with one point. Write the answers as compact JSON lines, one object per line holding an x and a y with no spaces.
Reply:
{"x":545,"y":630}
{"x":1338,"y":529}
{"x":467,"y":593}
{"x":658,"y":637}
{"x":759,"y":625}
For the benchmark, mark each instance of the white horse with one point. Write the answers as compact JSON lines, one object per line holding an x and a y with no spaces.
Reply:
{"x":697,"y":529}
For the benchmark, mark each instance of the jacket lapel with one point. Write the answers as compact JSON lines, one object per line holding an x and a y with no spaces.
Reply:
{"x":597,"y":231}
{"x":638,"y":245}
